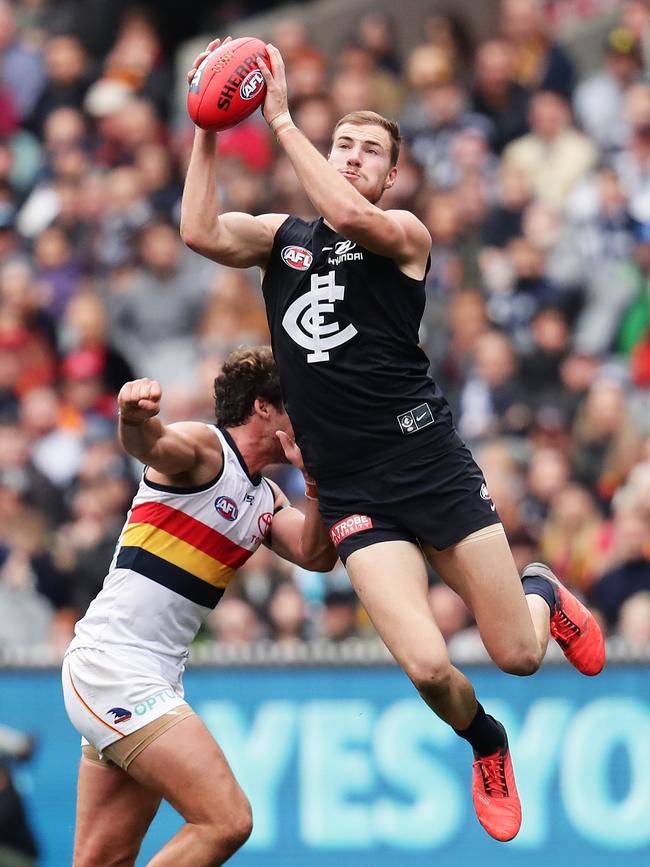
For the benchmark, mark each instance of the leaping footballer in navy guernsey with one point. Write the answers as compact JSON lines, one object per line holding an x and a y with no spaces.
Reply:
{"x":344,"y":297}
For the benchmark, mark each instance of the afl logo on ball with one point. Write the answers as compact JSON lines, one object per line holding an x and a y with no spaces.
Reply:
{"x":252,"y":84}
{"x":298,"y":258}
{"x":227,"y":508}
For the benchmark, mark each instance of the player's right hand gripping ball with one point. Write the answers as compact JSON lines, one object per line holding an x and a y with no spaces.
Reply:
{"x":228,"y":85}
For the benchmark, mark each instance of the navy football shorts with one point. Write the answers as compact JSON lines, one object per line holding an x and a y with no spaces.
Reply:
{"x":429,"y":497}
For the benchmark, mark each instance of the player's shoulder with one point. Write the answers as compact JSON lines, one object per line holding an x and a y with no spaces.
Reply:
{"x":280,"y":499}
{"x":409,"y":221}
{"x":294,"y":231}
{"x":272,"y":222}
{"x":199,"y":433}
{"x":417,"y":237}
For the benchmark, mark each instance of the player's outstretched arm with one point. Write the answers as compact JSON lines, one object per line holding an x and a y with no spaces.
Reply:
{"x":235,"y":239}
{"x":398,"y":235}
{"x":300,"y":538}
{"x":184,"y":448}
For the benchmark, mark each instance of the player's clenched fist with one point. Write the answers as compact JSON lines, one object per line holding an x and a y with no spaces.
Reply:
{"x":139,"y":400}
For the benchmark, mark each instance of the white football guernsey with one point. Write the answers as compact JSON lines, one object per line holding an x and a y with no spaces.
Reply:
{"x":177,"y":552}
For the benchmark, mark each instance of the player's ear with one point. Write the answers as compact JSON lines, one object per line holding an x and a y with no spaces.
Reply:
{"x":390,"y":178}
{"x":261,"y":407}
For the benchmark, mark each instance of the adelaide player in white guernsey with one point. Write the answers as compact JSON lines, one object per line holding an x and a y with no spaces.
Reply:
{"x":201,"y":510}
{"x":344,"y":297}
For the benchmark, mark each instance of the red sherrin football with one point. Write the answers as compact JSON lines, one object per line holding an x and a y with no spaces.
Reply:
{"x":228,"y":85}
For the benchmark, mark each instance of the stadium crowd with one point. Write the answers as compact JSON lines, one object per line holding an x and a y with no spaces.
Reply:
{"x":535,"y":187}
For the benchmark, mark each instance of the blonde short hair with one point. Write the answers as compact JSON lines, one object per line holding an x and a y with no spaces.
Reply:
{"x":371,"y":117}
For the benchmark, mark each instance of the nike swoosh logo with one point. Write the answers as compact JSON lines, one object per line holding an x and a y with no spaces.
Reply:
{"x":420,"y":417}
{"x":493,"y":507}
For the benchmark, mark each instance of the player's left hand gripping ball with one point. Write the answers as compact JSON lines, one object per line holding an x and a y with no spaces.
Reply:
{"x":226,"y":85}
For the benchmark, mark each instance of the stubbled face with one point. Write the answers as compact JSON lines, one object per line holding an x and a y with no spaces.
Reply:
{"x":278,"y":420}
{"x":361,"y":153}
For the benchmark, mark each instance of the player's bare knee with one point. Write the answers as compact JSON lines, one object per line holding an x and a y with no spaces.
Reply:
{"x":430,"y":676}
{"x":229,"y":832}
{"x":522,"y":662}
{"x":242,"y":826}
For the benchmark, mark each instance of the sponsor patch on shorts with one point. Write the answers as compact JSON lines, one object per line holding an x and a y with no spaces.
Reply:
{"x":348,"y":526}
{"x":415,"y":419}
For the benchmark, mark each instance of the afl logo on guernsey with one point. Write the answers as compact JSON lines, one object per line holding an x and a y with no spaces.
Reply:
{"x":298,"y":258}
{"x":227,"y":508}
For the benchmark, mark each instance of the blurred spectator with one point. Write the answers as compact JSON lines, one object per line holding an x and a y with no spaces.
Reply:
{"x":159,"y":176}
{"x":634,"y":620}
{"x":124,"y":211}
{"x":375,"y":32}
{"x":33,"y":593}
{"x":596,"y":251}
{"x":635,"y":16}
{"x":27,"y":334}
{"x":629,"y":570}
{"x":17,"y":844}
{"x":137,"y":60}
{"x":83,"y":547}
{"x":493,"y":400}
{"x":9,"y":239}
{"x":449,"y":32}
{"x":539,"y":62}
{"x":85,"y":328}
{"x":68,"y":78}
{"x":504,"y":219}
{"x":232,"y":317}
{"x":519,"y":287}
{"x":287,"y":614}
{"x":315,"y":116}
{"x":449,"y":252}
{"x":23,"y":69}
{"x":234,"y":622}
{"x":56,"y":269}
{"x":548,"y":474}
{"x":606,"y":443}
{"x":598,"y":99}
{"x":358,"y":61}
{"x":575,"y":538}
{"x":632,"y":162}
{"x":541,"y":365}
{"x":55,"y":449}
{"x":554,"y":156}
{"x":635,"y":323}
{"x":154,"y":317}
{"x":339,"y":618}
{"x":449,"y":611}
{"x":497,"y":96}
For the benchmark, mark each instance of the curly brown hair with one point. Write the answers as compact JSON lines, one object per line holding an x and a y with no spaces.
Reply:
{"x":245,"y":375}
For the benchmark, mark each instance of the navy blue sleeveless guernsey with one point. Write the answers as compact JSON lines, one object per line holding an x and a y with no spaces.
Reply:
{"x":344,"y":327}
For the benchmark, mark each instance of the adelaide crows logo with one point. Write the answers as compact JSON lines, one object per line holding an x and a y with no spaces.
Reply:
{"x":304,"y":320}
{"x":120,"y":714}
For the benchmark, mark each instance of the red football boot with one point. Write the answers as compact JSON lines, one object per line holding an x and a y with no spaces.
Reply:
{"x":574,"y":628}
{"x":495,"y":795}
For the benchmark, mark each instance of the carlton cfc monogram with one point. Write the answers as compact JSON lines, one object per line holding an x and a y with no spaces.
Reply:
{"x":304,"y":320}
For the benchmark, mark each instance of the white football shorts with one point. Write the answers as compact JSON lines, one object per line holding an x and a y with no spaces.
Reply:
{"x":112,"y":692}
